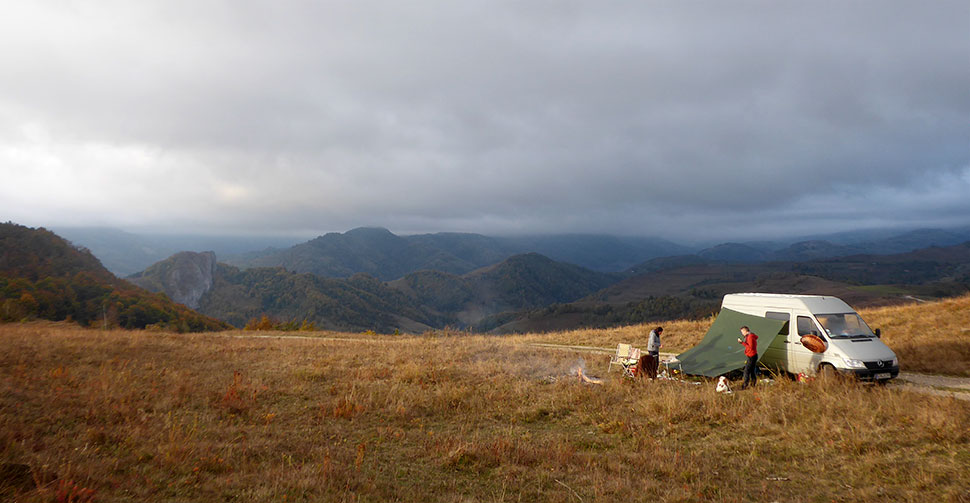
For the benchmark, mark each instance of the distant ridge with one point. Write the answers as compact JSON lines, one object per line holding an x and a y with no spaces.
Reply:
{"x":820,"y":248}
{"x":373,"y":251}
{"x":417,"y":302}
{"x":384,"y":255}
{"x":237,"y":296}
{"x":523,"y":281}
{"x":686,"y":286}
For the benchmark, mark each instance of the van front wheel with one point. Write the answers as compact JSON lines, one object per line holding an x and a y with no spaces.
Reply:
{"x":827,"y":371}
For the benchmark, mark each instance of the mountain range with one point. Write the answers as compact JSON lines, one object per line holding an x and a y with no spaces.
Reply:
{"x":416,"y":302}
{"x":531,"y":292}
{"x":690,"y":285}
{"x":820,"y":248}
{"x":125,"y":253}
{"x":372,"y":279}
{"x":387,"y":256}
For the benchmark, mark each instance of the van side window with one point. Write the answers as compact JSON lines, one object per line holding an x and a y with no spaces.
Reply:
{"x":806,"y":326}
{"x":786,"y":317}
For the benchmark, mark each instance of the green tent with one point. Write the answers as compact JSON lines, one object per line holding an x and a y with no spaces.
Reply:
{"x":719,"y":352}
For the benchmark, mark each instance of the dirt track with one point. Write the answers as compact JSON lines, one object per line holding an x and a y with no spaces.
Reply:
{"x":957,"y":387}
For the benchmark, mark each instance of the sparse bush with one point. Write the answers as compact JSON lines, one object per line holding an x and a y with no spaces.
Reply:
{"x":265,"y":323}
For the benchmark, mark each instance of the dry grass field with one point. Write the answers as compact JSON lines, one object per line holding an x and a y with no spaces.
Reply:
{"x":931,"y":337}
{"x":134,"y":416}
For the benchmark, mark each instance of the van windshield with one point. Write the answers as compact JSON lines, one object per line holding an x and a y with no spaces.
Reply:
{"x":844,"y":325}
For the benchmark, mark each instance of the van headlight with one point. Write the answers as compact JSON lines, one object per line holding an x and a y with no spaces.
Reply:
{"x":854,"y":364}
{"x":895,"y":362}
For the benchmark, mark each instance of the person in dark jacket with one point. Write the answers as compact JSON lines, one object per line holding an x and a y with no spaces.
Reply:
{"x":750,"y":343}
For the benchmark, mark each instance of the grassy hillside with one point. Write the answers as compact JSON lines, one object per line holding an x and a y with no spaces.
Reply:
{"x":121,"y":416}
{"x":931,"y":337}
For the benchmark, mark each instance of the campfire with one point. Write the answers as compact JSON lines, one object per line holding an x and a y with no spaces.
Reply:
{"x":586,"y":379}
{"x":580,"y":370}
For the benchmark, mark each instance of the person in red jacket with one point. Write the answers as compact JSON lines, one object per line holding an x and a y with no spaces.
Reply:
{"x":750,"y":343}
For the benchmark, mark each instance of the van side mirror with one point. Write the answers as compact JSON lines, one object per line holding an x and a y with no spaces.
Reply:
{"x":878,"y":333}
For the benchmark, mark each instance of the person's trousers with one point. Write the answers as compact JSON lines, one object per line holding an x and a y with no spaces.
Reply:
{"x":750,"y":371}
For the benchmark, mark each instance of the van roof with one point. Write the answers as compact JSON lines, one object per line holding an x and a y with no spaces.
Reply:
{"x":781,"y":295}
{"x":813,"y":303}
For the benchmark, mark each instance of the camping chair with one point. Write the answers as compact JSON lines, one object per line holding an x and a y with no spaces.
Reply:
{"x":626,"y":357}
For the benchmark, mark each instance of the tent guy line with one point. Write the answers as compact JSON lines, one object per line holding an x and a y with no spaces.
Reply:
{"x":914,"y":381}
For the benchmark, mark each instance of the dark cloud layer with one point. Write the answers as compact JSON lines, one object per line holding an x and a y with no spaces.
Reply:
{"x":688,"y":119}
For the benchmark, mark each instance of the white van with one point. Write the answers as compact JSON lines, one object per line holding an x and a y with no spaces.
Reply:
{"x":851,"y":346}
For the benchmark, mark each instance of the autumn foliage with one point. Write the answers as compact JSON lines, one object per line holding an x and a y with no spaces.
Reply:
{"x":43,"y":277}
{"x":266,"y":323}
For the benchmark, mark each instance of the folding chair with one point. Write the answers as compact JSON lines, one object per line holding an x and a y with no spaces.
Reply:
{"x":622,"y":353}
{"x":626,"y":357}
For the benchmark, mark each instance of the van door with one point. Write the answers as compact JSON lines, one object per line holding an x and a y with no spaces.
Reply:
{"x":800,"y":357}
{"x":776,"y":355}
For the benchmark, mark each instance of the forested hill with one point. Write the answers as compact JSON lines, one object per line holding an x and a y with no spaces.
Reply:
{"x":417,"y":302}
{"x":42,"y":276}
{"x":357,"y":303}
{"x":525,"y":281}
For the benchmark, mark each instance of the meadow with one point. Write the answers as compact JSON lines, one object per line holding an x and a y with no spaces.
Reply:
{"x":91,"y":415}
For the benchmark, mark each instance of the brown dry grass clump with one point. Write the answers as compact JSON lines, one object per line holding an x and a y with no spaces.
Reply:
{"x":122,"y":416}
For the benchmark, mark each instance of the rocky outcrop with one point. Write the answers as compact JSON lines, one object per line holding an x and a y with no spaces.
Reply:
{"x":185,"y":277}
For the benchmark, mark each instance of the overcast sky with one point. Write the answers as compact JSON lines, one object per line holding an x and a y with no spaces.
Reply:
{"x":685,"y":119}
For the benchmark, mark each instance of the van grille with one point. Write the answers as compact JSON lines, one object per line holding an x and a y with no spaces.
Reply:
{"x":879,"y":364}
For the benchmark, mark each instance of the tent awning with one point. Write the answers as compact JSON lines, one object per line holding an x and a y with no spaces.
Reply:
{"x":719,"y":352}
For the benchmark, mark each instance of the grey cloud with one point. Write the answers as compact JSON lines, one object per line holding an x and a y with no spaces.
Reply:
{"x":492,"y":116}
